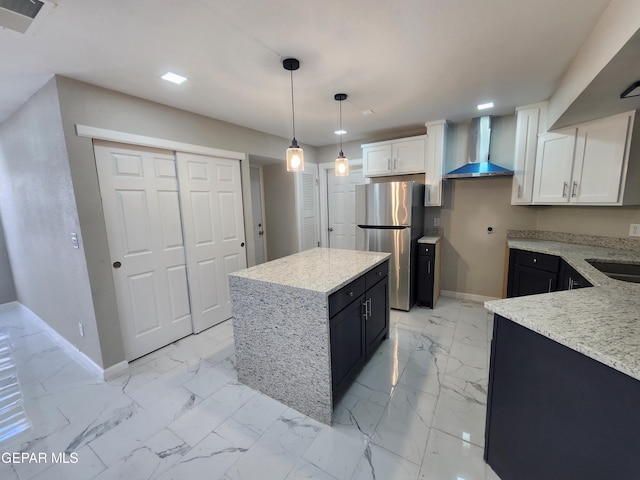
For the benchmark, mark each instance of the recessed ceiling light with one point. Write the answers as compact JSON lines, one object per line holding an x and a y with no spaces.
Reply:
{"x":368,"y":111}
{"x":484,"y":106}
{"x":174,"y":78}
{"x":340,"y":132}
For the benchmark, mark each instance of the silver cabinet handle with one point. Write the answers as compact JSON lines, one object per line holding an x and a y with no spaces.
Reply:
{"x":564,"y":189}
{"x":351,"y":294}
{"x":519,"y":191}
{"x":368,"y":302}
{"x":573,"y":190}
{"x":550,"y":284}
{"x":364,"y":309}
{"x":395,"y":163}
{"x":388,"y":164}
{"x":428,"y":193}
{"x":429,"y":267}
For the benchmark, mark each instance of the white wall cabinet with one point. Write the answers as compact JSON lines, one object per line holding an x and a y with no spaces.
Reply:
{"x":420,"y":154}
{"x":434,"y":158}
{"x":396,"y":157}
{"x":553,"y":168}
{"x":587,"y":164}
{"x":530,"y":122}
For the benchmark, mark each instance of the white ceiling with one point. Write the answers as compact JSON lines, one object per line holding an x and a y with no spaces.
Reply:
{"x":410,"y":61}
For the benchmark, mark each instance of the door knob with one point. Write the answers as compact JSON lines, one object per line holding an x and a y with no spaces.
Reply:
{"x":330,"y":229}
{"x":242,"y":244}
{"x":117,"y":264}
{"x":261,"y":232}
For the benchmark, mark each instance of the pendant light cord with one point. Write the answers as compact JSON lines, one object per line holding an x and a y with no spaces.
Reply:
{"x":341,"y":134}
{"x":293,"y":112}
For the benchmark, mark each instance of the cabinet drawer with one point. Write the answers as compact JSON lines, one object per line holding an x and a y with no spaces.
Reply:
{"x":427,"y":249}
{"x":347,"y":294}
{"x":376,"y":274}
{"x":542,"y":261}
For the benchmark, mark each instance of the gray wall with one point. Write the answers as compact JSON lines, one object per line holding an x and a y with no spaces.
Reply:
{"x":38,"y":212}
{"x":85,"y":104}
{"x":7,"y":289}
{"x":280,"y":211}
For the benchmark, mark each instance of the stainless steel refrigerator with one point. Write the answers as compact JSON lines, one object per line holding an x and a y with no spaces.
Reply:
{"x":389,"y":217}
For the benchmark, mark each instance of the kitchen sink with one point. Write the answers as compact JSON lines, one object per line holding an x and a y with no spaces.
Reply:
{"x":627,"y":272}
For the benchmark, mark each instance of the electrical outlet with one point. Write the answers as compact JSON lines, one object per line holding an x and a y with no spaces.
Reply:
{"x":81,"y":329}
{"x":634,"y":230}
{"x":436,"y":222}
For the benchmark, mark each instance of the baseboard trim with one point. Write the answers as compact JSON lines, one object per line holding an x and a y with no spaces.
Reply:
{"x":115,"y":370}
{"x":467,"y":296}
{"x":72,"y":350}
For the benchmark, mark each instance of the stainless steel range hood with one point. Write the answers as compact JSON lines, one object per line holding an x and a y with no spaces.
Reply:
{"x":479,"y":165}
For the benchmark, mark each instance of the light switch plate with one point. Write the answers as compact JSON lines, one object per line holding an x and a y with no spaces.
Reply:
{"x":74,"y":240}
{"x":634,"y":230}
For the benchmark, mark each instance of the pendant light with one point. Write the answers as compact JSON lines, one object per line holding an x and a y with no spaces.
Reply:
{"x":295,"y":155}
{"x":341,"y":168}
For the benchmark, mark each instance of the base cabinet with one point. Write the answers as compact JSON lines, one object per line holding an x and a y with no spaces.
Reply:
{"x":553,"y":413}
{"x":358,"y":323}
{"x":532,"y":272}
{"x":428,"y":274}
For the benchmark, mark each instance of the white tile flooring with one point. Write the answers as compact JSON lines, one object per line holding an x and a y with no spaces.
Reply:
{"x":416,"y":411}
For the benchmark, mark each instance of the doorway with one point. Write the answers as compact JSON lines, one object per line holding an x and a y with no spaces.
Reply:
{"x":175,"y":230}
{"x":257,"y":210}
{"x":339,"y":201}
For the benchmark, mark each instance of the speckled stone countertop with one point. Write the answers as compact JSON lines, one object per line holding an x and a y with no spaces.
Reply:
{"x":602,"y":322}
{"x":429,"y":239}
{"x":323,"y":270}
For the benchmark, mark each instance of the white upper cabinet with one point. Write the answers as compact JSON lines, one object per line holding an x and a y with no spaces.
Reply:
{"x":530,"y":122}
{"x":554,"y":164}
{"x":376,"y":160}
{"x":394,"y":157}
{"x":587,"y":164}
{"x":592,"y":163}
{"x":600,"y":160}
{"x":434,"y":157}
{"x":402,"y":156}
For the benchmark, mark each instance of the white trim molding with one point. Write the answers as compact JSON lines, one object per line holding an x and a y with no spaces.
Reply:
{"x":467,"y":296}
{"x":133,"y":139}
{"x":70,"y":349}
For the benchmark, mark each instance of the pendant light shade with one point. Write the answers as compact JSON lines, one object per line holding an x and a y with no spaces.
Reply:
{"x":341,"y":167}
{"x":295,"y":155}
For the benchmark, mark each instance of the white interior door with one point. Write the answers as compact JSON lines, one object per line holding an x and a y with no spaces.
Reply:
{"x":212,"y":214}
{"x":258,"y":218}
{"x":306,"y":184}
{"x":341,"y":194}
{"x":140,"y":199}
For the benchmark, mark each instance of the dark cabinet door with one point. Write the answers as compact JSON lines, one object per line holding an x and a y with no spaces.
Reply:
{"x":570,"y":278}
{"x":377,"y":319}
{"x":529,"y":281}
{"x":425,"y":280}
{"x":347,"y":343}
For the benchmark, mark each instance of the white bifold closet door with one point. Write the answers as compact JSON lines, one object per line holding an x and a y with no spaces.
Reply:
{"x":169,"y":240}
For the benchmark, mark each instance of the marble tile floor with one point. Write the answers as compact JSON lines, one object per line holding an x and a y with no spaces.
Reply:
{"x":416,"y":410}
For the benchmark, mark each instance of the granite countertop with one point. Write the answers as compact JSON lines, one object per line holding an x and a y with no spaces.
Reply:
{"x":602,"y":322}
{"x":430,"y":239}
{"x":322,"y":270}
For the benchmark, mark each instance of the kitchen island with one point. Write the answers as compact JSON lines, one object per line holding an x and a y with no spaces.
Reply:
{"x":564,"y":381}
{"x":305,"y":324}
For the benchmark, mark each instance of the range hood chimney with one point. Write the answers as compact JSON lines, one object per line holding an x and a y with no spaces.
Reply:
{"x":479,"y":165}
